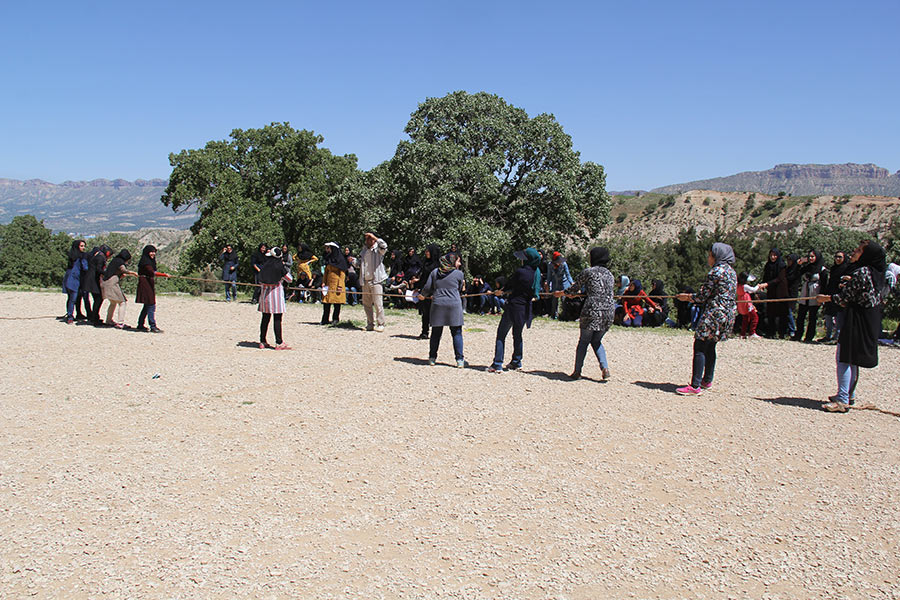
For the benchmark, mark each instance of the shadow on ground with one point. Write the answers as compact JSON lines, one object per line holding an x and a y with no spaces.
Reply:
{"x":552,"y":375}
{"x":798,"y":402}
{"x":662,"y":387}
{"x":411,"y":360}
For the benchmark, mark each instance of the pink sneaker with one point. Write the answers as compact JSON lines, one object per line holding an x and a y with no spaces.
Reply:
{"x":689,"y":391}
{"x":705,"y":385}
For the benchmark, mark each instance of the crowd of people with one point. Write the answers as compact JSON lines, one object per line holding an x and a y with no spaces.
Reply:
{"x":852,"y":292}
{"x":89,"y":281}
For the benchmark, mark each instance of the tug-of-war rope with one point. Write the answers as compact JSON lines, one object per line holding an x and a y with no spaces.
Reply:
{"x":491,"y":293}
{"x":866,"y":406}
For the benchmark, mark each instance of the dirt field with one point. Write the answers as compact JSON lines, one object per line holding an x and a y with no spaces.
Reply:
{"x":347,"y":467}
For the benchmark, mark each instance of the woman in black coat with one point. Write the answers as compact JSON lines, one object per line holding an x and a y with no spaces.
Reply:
{"x":833,"y":311}
{"x":860,"y":295}
{"x":776,"y":286}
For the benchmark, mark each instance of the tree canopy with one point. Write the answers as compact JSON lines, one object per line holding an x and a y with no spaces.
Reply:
{"x":268,"y":185}
{"x":482,"y":173}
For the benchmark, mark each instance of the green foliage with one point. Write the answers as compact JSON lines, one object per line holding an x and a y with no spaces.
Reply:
{"x":482,"y":173}
{"x":621,"y":217}
{"x":31,"y":255}
{"x":781,"y":194}
{"x":707,"y":201}
{"x":262,"y":185}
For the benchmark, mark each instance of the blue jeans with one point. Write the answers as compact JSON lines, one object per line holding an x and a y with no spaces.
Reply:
{"x":637,"y":321}
{"x":230,"y":291}
{"x":435,"y":343}
{"x":149,"y":313}
{"x":704,"y":362}
{"x":792,"y":326}
{"x":503,"y":328}
{"x":847,"y":378}
{"x":71,"y":299}
{"x":595,"y":340}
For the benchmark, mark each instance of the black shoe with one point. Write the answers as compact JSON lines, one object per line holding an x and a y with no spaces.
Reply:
{"x":141,"y":328}
{"x":155,"y":330}
{"x":423,"y":335}
{"x":575,"y":375}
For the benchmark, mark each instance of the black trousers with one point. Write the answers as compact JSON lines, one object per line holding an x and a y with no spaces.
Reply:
{"x":802,"y":312}
{"x":326,"y":309}
{"x":264,"y":327}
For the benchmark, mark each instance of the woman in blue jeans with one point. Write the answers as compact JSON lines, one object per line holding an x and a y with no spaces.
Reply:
{"x":521,"y":289}
{"x":444,"y":285}
{"x":860,"y":295}
{"x":718,"y":295}
{"x":598,"y":311}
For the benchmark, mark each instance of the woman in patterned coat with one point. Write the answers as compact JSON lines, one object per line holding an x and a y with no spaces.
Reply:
{"x":717,"y":295}
{"x":598,"y":310}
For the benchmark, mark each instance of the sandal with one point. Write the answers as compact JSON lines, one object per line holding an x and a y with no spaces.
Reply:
{"x":283,"y":347}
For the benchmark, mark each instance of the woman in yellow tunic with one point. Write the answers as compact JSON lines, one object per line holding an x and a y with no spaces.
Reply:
{"x":335,"y":276}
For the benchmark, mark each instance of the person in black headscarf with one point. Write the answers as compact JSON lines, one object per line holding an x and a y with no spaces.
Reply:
{"x":256,"y":262}
{"x":271,"y":297}
{"x":813,"y":280}
{"x":776,"y":285}
{"x":432,"y":262}
{"x":833,"y":311}
{"x":229,"y":258}
{"x":661,"y":314}
{"x":598,"y":311}
{"x":146,"y":288}
{"x":861,"y":296}
{"x":335,"y":279}
{"x":112,"y":291}
{"x":521,"y":290}
{"x":90,"y":282}
{"x":72,"y":280}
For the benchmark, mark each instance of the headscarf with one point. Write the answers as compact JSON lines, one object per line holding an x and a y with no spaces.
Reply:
{"x":335,"y":258}
{"x":74,"y":253}
{"x":305,"y":253}
{"x":624,"y":285}
{"x":599,"y":256}
{"x":432,"y":262}
{"x":771,"y":270}
{"x":533,"y":260}
{"x":447,"y":264}
{"x":838,"y":270}
{"x":412,"y":264}
{"x":106,"y":250}
{"x":873,"y":256}
{"x":657,"y":291}
{"x":145,"y":258}
{"x":113,"y":268}
{"x":273,"y":269}
{"x":637,"y":287}
{"x":723,"y":253}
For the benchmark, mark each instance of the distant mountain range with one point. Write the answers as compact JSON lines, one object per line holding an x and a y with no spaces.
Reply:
{"x":802,"y":180}
{"x":91,"y":207}
{"x":102,"y":205}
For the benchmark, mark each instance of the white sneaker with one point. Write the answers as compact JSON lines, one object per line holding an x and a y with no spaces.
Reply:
{"x":379,"y":328}
{"x":755,"y":337}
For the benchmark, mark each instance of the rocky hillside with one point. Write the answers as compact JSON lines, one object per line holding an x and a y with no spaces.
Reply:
{"x":662,"y":216}
{"x":802,"y":180}
{"x":91,"y":207}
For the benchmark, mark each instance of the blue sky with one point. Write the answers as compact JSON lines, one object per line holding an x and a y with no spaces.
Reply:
{"x":657,"y":92}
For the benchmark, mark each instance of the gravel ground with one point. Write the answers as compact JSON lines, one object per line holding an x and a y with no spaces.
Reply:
{"x":349,"y":468}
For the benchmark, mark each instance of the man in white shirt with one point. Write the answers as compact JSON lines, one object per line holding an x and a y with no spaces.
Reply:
{"x":371,"y":277}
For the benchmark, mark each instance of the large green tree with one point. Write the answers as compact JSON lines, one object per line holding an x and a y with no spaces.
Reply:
{"x":268,"y":185}
{"x":30,"y":254}
{"x":480,"y":172}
